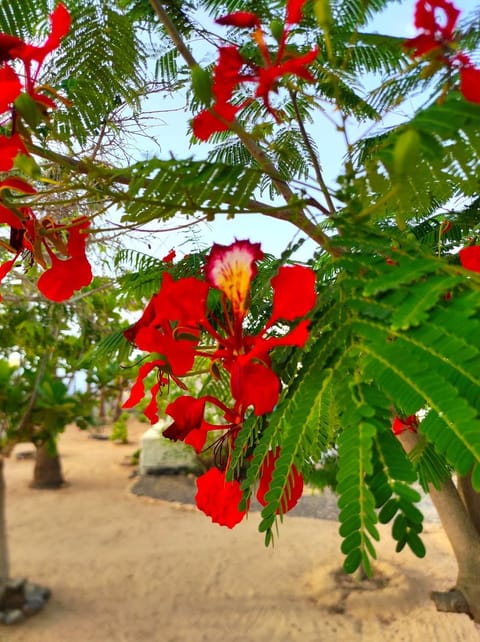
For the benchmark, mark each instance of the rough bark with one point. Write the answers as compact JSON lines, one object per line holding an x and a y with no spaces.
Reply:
{"x":470,"y":498}
{"x":47,"y":472}
{"x":464,"y":539}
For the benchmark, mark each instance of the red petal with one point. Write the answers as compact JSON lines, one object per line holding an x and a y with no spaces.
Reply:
{"x":60,"y":25}
{"x":187,"y":414}
{"x":219,"y":499}
{"x":226,"y":75}
{"x":470,"y":84}
{"x":10,"y":218}
{"x":180,"y":354}
{"x":151,"y":410}
{"x":426,"y":12}
{"x":292,"y":492}
{"x":254,"y":384}
{"x":17,"y":184}
{"x":145,"y":320}
{"x":6,"y":267}
{"x":421,"y":44}
{"x":470,"y":257}
{"x":60,"y":281}
{"x":231,"y":268}
{"x":77,"y":236}
{"x":10,"y":146}
{"x":10,"y":87}
{"x":242,"y":19}
{"x":7,"y":43}
{"x":168,"y":258}
{"x":137,"y":392}
{"x":293,"y":293}
{"x":182,"y":301}
{"x":294,"y":11}
{"x":208,"y":122}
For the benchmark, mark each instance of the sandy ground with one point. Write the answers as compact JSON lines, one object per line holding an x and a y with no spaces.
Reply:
{"x":131,"y":569}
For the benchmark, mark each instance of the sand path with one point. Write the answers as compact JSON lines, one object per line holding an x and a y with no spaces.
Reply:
{"x":132,"y":569}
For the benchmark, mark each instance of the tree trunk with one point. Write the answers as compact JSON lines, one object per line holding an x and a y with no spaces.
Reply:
{"x":4,"y":559}
{"x":102,"y":417}
{"x":47,"y":472}
{"x":470,"y":498}
{"x":464,"y":540}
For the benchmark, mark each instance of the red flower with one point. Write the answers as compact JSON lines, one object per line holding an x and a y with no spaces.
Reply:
{"x":219,"y":499}
{"x":434,"y":33}
{"x":401,"y":425}
{"x":231,"y":270}
{"x":268,"y":76}
{"x":470,"y":257}
{"x":293,"y":490}
{"x":227,"y":73}
{"x":12,"y":48}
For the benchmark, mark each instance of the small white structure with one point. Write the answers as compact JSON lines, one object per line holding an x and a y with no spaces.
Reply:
{"x":158,"y":453}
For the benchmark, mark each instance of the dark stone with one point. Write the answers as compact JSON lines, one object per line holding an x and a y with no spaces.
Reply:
{"x":13,"y":616}
{"x":168,"y":470}
{"x":33,"y":605}
{"x":15,"y":584}
{"x":35,"y":590}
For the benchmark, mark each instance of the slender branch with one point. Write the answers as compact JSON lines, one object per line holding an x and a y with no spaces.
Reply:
{"x":173,"y":33}
{"x":299,"y":218}
{"x":313,"y":156}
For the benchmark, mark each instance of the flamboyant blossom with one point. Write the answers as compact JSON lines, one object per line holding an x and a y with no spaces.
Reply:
{"x":436,"y":34}
{"x":246,"y":357}
{"x":44,"y":242}
{"x":170,"y":330}
{"x":60,"y":249}
{"x":233,"y":69}
{"x":470,"y":257}
{"x":437,"y":20}
{"x":13,"y":48}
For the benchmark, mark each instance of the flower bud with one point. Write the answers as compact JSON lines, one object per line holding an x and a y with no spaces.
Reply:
{"x":201,"y":85}
{"x":406,"y":152}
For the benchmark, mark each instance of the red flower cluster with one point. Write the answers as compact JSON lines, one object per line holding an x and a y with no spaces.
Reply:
{"x":228,"y":74}
{"x":437,"y":39}
{"x":41,"y":240}
{"x":170,"y":329}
